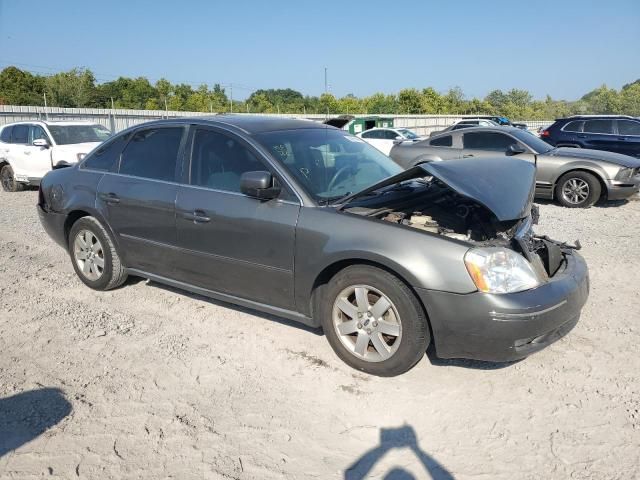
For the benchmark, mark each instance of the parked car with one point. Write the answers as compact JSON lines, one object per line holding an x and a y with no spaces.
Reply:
{"x":384,"y":138}
{"x":504,"y":121}
{"x":28,"y":150}
{"x":466,"y":124}
{"x":620,"y":133}
{"x":573,"y":177}
{"x":310,"y":223}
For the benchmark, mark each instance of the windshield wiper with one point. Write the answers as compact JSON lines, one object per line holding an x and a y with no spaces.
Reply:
{"x":336,"y":199}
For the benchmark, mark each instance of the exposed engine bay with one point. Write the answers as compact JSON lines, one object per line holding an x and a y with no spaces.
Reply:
{"x":437,"y":209}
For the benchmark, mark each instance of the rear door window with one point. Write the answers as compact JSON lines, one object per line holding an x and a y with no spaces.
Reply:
{"x":575,"y":126}
{"x":5,"y":135}
{"x":152,"y":153}
{"x":628,"y":127}
{"x":20,"y":134}
{"x":445,"y":141}
{"x":390,"y":135}
{"x":487,"y":141}
{"x":598,"y":126}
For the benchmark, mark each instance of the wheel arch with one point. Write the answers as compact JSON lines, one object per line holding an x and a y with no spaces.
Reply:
{"x":76,"y":214}
{"x":328,"y":272}
{"x":585,"y":169}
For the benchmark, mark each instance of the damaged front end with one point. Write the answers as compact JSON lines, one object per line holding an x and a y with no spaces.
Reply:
{"x":456,"y":200}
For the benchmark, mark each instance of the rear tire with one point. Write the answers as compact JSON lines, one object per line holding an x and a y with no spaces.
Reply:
{"x":373,"y":321}
{"x":578,"y":190}
{"x":94,"y":256}
{"x":8,"y":180}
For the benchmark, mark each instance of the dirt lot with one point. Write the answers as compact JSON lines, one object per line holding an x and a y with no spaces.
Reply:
{"x":147,"y":382}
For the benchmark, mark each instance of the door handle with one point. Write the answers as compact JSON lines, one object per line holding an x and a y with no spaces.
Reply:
{"x":622,"y":138}
{"x":26,"y":152}
{"x":198,"y":216}
{"x":582,"y":136}
{"x":110,"y":198}
{"x":467,"y":155}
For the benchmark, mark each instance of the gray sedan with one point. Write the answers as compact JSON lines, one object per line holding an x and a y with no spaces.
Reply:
{"x":574,"y":177}
{"x":307,"y":222}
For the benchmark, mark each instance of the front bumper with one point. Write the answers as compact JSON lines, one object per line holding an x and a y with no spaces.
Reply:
{"x":620,"y":190}
{"x":508,"y":327}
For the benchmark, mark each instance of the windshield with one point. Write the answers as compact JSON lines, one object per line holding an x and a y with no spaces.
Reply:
{"x":69,"y":134}
{"x":408,"y":134}
{"x":533,"y":142}
{"x":329,"y":163}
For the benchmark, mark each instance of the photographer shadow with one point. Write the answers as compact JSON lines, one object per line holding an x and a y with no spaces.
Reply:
{"x":27,"y":415}
{"x":390,"y":438}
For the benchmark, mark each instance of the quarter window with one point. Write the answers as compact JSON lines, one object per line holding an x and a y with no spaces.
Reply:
{"x":487,"y":141}
{"x":152,"y":153}
{"x":445,"y":141}
{"x":575,"y":126}
{"x":20,"y":134}
{"x":628,"y":127}
{"x":218,"y":161}
{"x":598,"y":126}
{"x":106,"y":158}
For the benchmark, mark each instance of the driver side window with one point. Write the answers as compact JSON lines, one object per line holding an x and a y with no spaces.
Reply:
{"x":492,"y":141}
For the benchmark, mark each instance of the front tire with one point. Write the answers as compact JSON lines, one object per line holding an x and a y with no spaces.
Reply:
{"x":578,"y":190}
{"x":8,"y":180}
{"x":94,"y":256}
{"x":373,"y":321}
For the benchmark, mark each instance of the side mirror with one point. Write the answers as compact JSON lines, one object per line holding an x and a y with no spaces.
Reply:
{"x":259,"y":185}
{"x":398,"y":140}
{"x":515,"y":149}
{"x":40,"y":142}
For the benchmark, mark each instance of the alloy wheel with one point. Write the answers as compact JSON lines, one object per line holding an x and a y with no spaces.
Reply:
{"x":367,"y":323}
{"x":88,"y":255}
{"x":575,"y":191}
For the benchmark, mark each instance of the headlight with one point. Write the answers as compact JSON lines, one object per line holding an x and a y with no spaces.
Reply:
{"x":500,"y":270}
{"x":81,"y":156}
{"x":624,"y":174}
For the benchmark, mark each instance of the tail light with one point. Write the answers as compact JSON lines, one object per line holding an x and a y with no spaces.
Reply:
{"x":544,"y":133}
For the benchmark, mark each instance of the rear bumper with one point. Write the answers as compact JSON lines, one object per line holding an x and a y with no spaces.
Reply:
{"x":53,"y":224}
{"x":507,"y":327}
{"x":620,"y":190}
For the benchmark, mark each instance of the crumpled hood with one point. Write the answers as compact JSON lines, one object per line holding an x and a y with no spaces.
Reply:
{"x":503,"y":185}
{"x":588,"y":154}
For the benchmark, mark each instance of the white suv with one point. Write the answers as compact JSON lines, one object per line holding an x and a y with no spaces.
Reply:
{"x":385,"y":138}
{"x":28,"y":150}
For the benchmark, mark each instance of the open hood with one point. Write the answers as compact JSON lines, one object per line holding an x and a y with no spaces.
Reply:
{"x":339,"y":122}
{"x":505,"y":186}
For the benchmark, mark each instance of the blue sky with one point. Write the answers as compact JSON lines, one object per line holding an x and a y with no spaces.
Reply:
{"x":563,"y":48}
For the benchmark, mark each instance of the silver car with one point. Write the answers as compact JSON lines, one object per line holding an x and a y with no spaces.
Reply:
{"x":575,"y":177}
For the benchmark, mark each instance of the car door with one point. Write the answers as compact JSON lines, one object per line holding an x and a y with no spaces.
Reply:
{"x":229,"y":242}
{"x":598,"y":134}
{"x":375,"y":138}
{"x":5,"y":142}
{"x":629,"y":137}
{"x":38,"y":159}
{"x":15,"y":152}
{"x":139,"y":200}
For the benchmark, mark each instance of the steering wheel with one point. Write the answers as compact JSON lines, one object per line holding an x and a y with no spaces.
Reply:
{"x":336,"y":176}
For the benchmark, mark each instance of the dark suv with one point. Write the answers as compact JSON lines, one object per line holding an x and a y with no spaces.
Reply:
{"x":620,"y":134}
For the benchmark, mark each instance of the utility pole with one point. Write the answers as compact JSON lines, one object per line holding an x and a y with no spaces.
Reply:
{"x":112,"y":119}
{"x":166,"y":108}
{"x":231,"y":97}
{"x":326,"y":85}
{"x":46,"y":113}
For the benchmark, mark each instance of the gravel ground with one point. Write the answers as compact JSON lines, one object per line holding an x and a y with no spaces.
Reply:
{"x":147,"y":382}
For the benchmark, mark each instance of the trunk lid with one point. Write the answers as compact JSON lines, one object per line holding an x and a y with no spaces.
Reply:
{"x":505,"y":186}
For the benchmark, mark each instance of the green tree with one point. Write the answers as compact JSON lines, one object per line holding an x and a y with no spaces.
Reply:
{"x":75,"y":88}
{"x":409,"y":101}
{"x":18,"y":87}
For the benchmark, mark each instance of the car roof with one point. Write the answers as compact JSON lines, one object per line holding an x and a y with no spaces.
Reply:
{"x":595,"y":117}
{"x":497,"y":128}
{"x":52,"y":122}
{"x":249,"y":124}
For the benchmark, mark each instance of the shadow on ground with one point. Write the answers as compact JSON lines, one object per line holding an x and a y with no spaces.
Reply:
{"x":390,"y":438}
{"x":28,"y":415}
{"x":465,"y":363}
